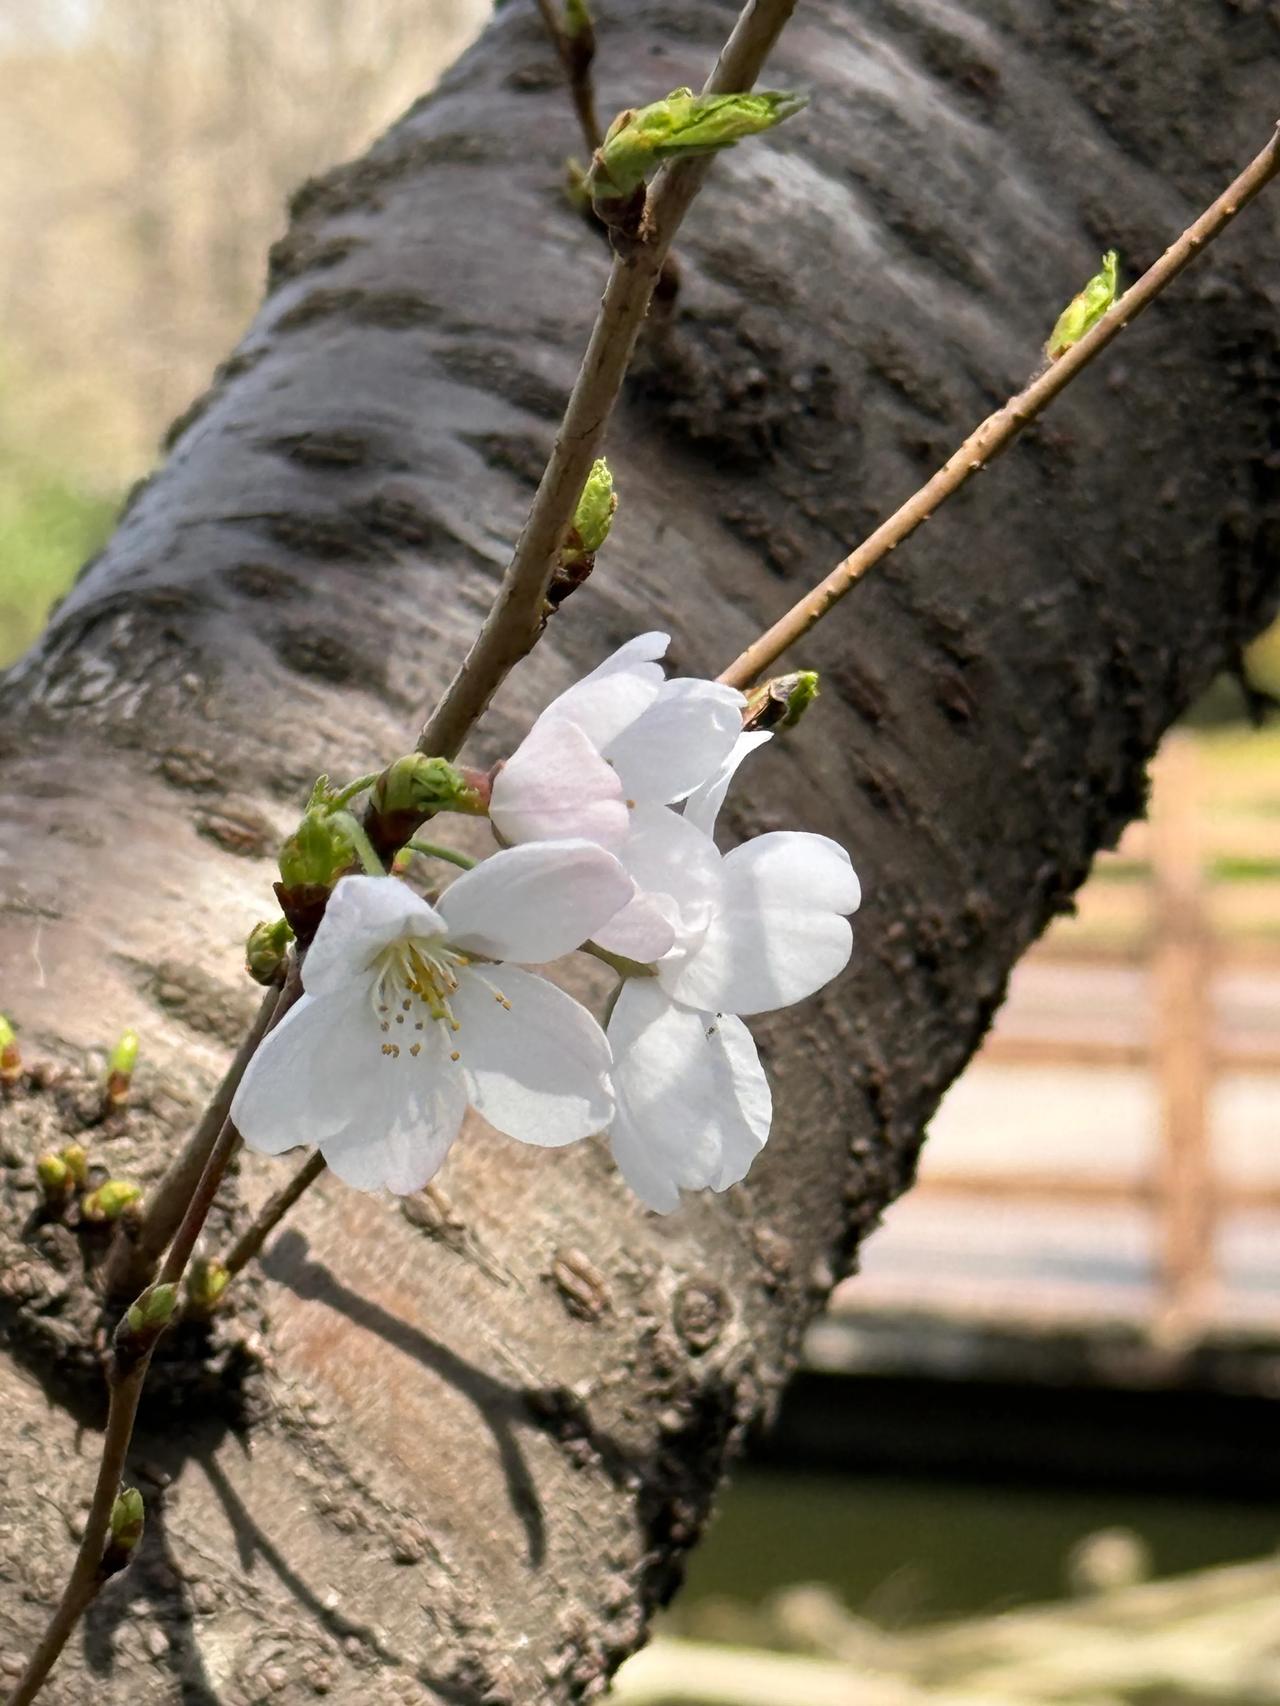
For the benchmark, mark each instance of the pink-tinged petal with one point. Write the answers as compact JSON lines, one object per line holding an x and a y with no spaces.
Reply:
{"x":603,"y":703}
{"x":307,"y":1079}
{"x":364,"y":916}
{"x":694,"y":1107}
{"x":556,"y":787}
{"x":678,"y":742}
{"x":413,"y":1108}
{"x":702,"y":808}
{"x":536,"y":902}
{"x":536,"y":1062}
{"x":779,"y":932}
{"x":644,"y":930}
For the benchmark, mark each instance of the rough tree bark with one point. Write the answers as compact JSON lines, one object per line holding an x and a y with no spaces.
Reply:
{"x":480,"y":1443}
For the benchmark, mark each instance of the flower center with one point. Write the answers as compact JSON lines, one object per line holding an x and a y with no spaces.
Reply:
{"x":416,"y":977}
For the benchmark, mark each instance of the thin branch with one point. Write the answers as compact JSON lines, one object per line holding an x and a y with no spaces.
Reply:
{"x":250,"y":1242}
{"x":514,"y":622}
{"x":126,"y":1380}
{"x":576,"y":55}
{"x":1001,"y":428}
{"x":87,"y":1573}
{"x":135,"y":1253}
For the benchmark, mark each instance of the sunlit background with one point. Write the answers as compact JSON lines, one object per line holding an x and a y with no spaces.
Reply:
{"x":1033,"y":1458}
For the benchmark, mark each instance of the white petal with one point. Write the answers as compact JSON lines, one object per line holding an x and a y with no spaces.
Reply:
{"x":664,"y":855}
{"x":603,"y":703}
{"x":364,"y":915}
{"x":411,"y":1110}
{"x":693,"y":1103}
{"x":678,"y":742}
{"x":307,"y":1079}
{"x":536,"y":902}
{"x":779,"y":932}
{"x":536,"y":1062}
{"x":644,"y":930}
{"x":702,"y":808}
{"x":555,"y":786}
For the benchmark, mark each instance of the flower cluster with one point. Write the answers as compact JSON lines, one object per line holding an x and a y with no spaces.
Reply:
{"x":606,"y":814}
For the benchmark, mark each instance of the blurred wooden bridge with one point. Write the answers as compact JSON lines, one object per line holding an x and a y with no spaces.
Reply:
{"x":1107,"y":1173}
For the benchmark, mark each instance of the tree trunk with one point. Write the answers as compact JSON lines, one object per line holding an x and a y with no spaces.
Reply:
{"x":481,"y":1440}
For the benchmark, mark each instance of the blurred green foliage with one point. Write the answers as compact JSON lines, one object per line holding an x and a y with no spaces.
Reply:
{"x":48,"y":526}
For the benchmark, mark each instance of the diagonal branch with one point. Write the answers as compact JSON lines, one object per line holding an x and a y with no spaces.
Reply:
{"x":1000,"y":429}
{"x":512,"y":625}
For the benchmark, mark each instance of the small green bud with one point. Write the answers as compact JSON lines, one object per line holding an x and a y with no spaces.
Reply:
{"x":56,"y":1180}
{"x":596,"y":508}
{"x":425,"y":786}
{"x":781,"y":702}
{"x":10,"y":1054}
{"x":120,"y":1065}
{"x":110,"y":1200}
{"x":266,"y":952}
{"x":682,"y":125}
{"x":207,"y":1279}
{"x":128,"y":1516}
{"x":1084,"y":310}
{"x":75,"y":1157}
{"x":577,"y":19}
{"x":152,"y":1310}
{"x":317,"y":853}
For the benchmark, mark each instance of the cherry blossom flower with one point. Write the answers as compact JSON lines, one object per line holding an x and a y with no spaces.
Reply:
{"x":758,"y":929}
{"x":605,"y":759}
{"x":407,"y":1019}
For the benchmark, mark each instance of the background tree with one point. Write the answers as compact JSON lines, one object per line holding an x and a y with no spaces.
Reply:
{"x":487,"y":1429}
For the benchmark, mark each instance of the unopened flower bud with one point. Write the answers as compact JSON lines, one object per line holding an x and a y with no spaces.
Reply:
{"x":207,"y":1279}
{"x":127,"y":1518}
{"x":780,"y":702}
{"x":110,"y":1200}
{"x":56,"y":1180}
{"x":152,"y":1310}
{"x":75,"y":1157}
{"x":682,"y":125}
{"x":1085,"y":309}
{"x":587,"y":533}
{"x":10,"y":1055}
{"x":120,"y":1065}
{"x":266,"y":952}
{"x":415,"y":788}
{"x":318,"y":852}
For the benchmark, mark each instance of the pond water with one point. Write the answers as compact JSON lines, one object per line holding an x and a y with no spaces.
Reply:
{"x":902,"y":1551}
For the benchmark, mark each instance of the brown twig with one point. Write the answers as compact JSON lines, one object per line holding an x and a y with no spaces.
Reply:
{"x":514,"y":622}
{"x":577,"y":53}
{"x":1000,"y":429}
{"x":126,"y":1379}
{"x":250,"y":1242}
{"x":136,"y":1251}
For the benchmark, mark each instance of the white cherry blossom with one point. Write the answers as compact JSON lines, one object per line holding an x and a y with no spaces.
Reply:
{"x":757,"y":929}
{"x":605,"y":759}
{"x":406,"y":1020}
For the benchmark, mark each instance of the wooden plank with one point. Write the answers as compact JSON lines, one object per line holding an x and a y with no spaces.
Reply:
{"x":1083,"y":1189}
{"x":1008,"y":1048}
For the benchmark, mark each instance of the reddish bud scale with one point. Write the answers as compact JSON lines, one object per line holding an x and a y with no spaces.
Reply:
{"x":10,"y":1064}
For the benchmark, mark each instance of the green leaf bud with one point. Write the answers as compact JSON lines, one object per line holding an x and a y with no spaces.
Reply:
{"x":110,"y":1200}
{"x":266,"y":952}
{"x":75,"y":1157}
{"x":56,"y":1179}
{"x":780,"y":702}
{"x":596,"y":508}
{"x":120,"y":1065}
{"x":128,"y":1516}
{"x":10,"y":1054}
{"x":152,"y":1310}
{"x":681,"y":126}
{"x":207,"y":1279}
{"x":1084,"y":310}
{"x":318,"y":852}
